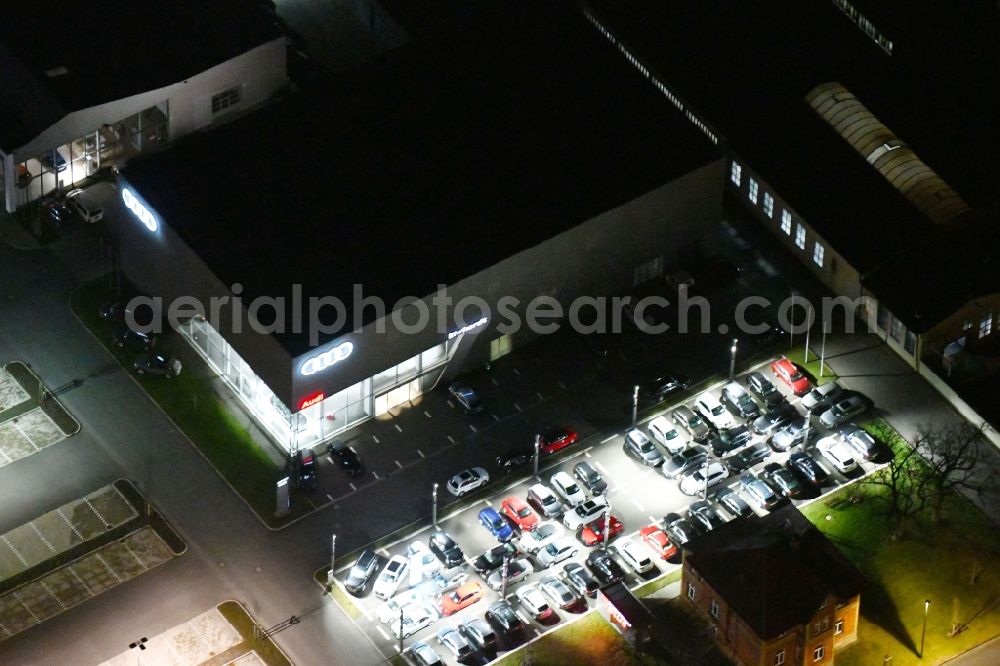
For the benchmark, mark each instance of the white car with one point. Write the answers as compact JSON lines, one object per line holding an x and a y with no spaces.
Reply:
{"x":663,"y":431}
{"x":556,"y":552}
{"x":584,"y":513}
{"x":821,"y":395}
{"x":389,"y":611}
{"x":567,"y":488}
{"x":542,"y":497}
{"x":85,"y":207}
{"x":634,"y":556}
{"x":468,"y":480}
{"x":388,"y":581}
{"x":838,"y":453}
{"x":693,"y":482}
{"x":844,"y":411}
{"x":714,"y":412}
{"x":533,"y":601}
{"x":859,"y":440}
{"x":558,"y":591}
{"x":544,"y":533}
{"x":423,"y":564}
{"x":415,"y":618}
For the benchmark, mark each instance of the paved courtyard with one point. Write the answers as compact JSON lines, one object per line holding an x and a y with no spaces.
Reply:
{"x":11,"y":393}
{"x":194,"y":642}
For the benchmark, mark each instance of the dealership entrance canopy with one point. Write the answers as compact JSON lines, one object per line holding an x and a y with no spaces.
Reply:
{"x":530,"y":159}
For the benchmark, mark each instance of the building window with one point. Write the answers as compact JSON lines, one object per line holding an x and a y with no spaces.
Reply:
{"x":714,"y":609}
{"x":225,"y":100}
{"x":779,"y":657}
{"x":818,"y":254}
{"x":736,"y":174}
{"x":648,"y":271}
{"x":826,"y":624}
{"x":986,"y":325}
{"x":786,"y":222}
{"x":691,"y":591}
{"x":897,"y":330}
{"x":818,"y":653}
{"x":500,"y":347}
{"x":800,"y":236}
{"x":838,"y":627}
{"x":966,"y":325}
{"x":768,"y":205}
{"x":753,"y":190}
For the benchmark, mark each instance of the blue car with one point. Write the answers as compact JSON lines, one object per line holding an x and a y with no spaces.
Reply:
{"x":495,"y":523}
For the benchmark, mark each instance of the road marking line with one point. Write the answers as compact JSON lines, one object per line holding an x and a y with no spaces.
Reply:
{"x":609,"y":438}
{"x":516,"y":371}
{"x":14,"y":550}
{"x":399,"y":464}
{"x":586,"y":453}
{"x":80,"y":580}
{"x":450,"y":404}
{"x":517,"y":407}
{"x":383,"y":551}
{"x":600,"y":467}
{"x":421,"y":453}
{"x":485,"y":502}
{"x":473,"y":428}
{"x":653,"y":520}
{"x":495,"y":417}
{"x":637,"y":505}
{"x":71,"y":525}
{"x":539,"y":395}
{"x":353,"y":487}
{"x":451,"y":439}
{"x":427,"y":414}
{"x":563,"y":386}
{"x":376,"y":439}
{"x":26,"y":607}
{"x":396,"y":426}
{"x":329,"y":497}
{"x":25,"y":435}
{"x":41,"y":536}
{"x":377,"y":477}
{"x":382,"y":631}
{"x":495,"y":382}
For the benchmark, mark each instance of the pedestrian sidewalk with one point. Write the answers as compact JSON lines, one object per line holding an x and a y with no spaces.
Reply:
{"x":15,"y":235}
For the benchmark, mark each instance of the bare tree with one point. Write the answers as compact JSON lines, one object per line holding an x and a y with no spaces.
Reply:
{"x":901,"y":481}
{"x":950,"y":453}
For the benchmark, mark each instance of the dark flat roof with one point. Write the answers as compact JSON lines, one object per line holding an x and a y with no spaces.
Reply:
{"x":747,"y":66}
{"x":111,"y":50}
{"x":437,"y":162}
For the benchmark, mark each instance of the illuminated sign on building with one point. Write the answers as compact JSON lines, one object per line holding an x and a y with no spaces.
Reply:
{"x":467,"y":328}
{"x":322,"y":361}
{"x":311,"y":400}
{"x":144,"y":214}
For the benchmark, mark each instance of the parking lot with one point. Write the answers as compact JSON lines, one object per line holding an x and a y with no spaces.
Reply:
{"x":638,"y":496}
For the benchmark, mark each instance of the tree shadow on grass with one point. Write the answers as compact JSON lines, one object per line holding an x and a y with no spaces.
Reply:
{"x":879,"y":609}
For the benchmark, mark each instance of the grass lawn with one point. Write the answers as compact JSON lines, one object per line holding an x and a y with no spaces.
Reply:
{"x":956,"y":565}
{"x":193,"y":405}
{"x":589,"y":640}
{"x":797,"y":355}
{"x":265,"y":648}
{"x":657,"y":583}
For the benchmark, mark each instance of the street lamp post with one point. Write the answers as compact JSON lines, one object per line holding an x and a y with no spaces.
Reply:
{"x":538,"y":448}
{"x":607,"y":527}
{"x":923,"y":631}
{"x":401,"y":609}
{"x":822,"y":352}
{"x":635,"y":403}
{"x":805,"y":437}
{"x":503,"y":577}
{"x":140,"y":645}
{"x":333,"y":559}
{"x":708,"y":461}
{"x":732,"y":360}
{"x":434,"y":504}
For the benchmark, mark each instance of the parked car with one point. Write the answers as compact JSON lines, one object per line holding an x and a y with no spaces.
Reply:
{"x":479,"y":634}
{"x":361,"y":572}
{"x":442,"y":545}
{"x":730,"y":440}
{"x":84,"y":206}
{"x":515,"y":458}
{"x":158,"y":364}
{"x":861,"y":441}
{"x":664,"y":386}
{"x":748,"y":457}
{"x":658,"y":541}
{"x":590,"y":477}
{"x":492,"y":559}
{"x":691,"y":422}
{"x":455,"y":642}
{"x":809,"y":468}
{"x":468,"y":480}
{"x":678,"y":529}
{"x":59,"y":213}
{"x":739,"y":401}
{"x":759,"y":491}
{"x":545,"y":501}
{"x":822,"y":396}
{"x":555,"y":552}
{"x":783,"y":479}
{"x":583,"y":513}
{"x":765,"y":391}
{"x":495,"y":524}
{"x":558,"y":592}
{"x":838,"y":453}
{"x":844,"y":411}
{"x":345,"y":458}
{"x":416,"y":616}
{"x":770,"y":422}
{"x":703,"y":516}
{"x":604,"y":567}
{"x":466,"y":397}
{"x":580,"y":579}
{"x":683,"y":462}
{"x":424,"y":655}
{"x":533,"y":601}
{"x":642,"y":448}
{"x":461,"y":597}
{"x":517,"y":570}
{"x":712,"y":411}
{"x":567,"y":488}
{"x":501,"y":616}
{"x":634,"y":556}
{"x":141,"y":339}
{"x":305,"y":468}
{"x":593,"y":532}
{"x":556,"y":438}
{"x":733,"y":503}
{"x":544,"y":534}
{"x":423,"y":564}
{"x":798,"y":432}
{"x":517,"y":511}
{"x":663,"y":432}
{"x":790,"y":374}
{"x":392,"y":575}
{"x":700,"y":478}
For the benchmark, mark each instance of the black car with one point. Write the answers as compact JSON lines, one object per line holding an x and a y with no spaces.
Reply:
{"x":158,"y":364}
{"x":678,"y":529}
{"x":730,"y":439}
{"x":680,"y":463}
{"x":141,"y":339}
{"x":580,"y":579}
{"x":808,"y":467}
{"x":604,"y":567}
{"x":515,"y":458}
{"x":783,"y":479}
{"x":492,"y":559}
{"x":466,"y":397}
{"x":748,"y":457}
{"x":305,"y":469}
{"x":345,"y":458}
{"x":732,"y":502}
{"x":773,"y":420}
{"x":590,"y":477}
{"x":59,"y":213}
{"x":663,"y":386}
{"x":442,"y":545}
{"x":505,"y":620}
{"x":361,"y":573}
{"x":479,"y":634}
{"x":704,"y":516}
{"x":762,"y":387}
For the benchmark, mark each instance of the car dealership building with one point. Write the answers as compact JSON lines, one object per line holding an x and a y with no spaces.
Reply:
{"x":496,"y":173}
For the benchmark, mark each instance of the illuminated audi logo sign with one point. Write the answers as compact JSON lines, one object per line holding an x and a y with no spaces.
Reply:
{"x":140,"y":211}
{"x":321,"y":362}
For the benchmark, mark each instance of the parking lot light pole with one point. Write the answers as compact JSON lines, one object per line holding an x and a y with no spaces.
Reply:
{"x":708,"y":461}
{"x":732,"y":360}
{"x":607,"y":527}
{"x":822,"y":352}
{"x":923,"y":632}
{"x":805,"y":437}
{"x":635,"y":403}
{"x":434,"y":504}
{"x":333,"y":553}
{"x":503,"y":578}
{"x":538,"y":448}
{"x":401,"y":609}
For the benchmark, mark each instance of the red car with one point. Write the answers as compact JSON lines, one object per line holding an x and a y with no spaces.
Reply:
{"x":518,"y":512}
{"x":593,"y":533}
{"x":789,"y":373}
{"x":658,"y":540}
{"x":460,"y":597}
{"x":555,"y":439}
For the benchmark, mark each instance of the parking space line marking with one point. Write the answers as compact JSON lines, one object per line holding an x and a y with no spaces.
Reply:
{"x":376,"y":439}
{"x":399,"y":464}
{"x":27,"y":608}
{"x":353,"y":487}
{"x":653,"y":520}
{"x":25,"y":435}
{"x":71,"y":525}
{"x":396,"y":426}
{"x":600,"y":467}
{"x":517,"y":407}
{"x":561,"y":385}
{"x":495,"y":418}
{"x":495,"y":382}
{"x":637,"y":505}
{"x":516,"y":371}
{"x":450,"y":404}
{"x":427,"y":414}
{"x":473,"y":428}
{"x":383,"y":552}
{"x":6,"y":458}
{"x":375,"y":474}
{"x":451,"y":439}
{"x":421,"y":453}
{"x":14,"y":550}
{"x":80,"y":580}
{"x":329,"y":497}
{"x":586,"y":453}
{"x":41,"y":536}
{"x":382,"y":631}
{"x":485,"y":502}
{"x":539,"y":395}
{"x":608,"y":438}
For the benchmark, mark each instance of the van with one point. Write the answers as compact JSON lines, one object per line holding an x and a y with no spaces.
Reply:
{"x":85,"y":206}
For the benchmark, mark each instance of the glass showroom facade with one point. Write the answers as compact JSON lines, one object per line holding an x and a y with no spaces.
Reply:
{"x":325,"y":415}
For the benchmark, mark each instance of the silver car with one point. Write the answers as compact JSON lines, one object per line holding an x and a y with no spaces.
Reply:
{"x":844,"y":411}
{"x":795,"y":433}
{"x":693,"y":423}
{"x":452,"y":639}
{"x":640,"y":446}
